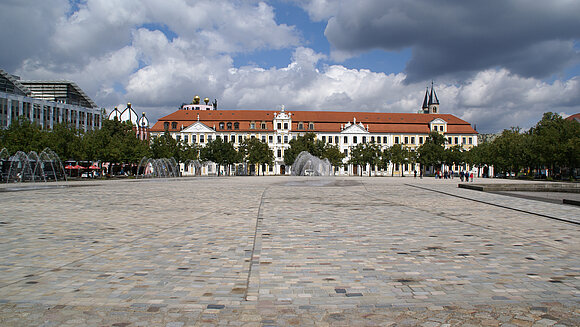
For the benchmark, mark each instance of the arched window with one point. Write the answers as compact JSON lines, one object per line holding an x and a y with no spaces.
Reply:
{"x":229,"y":125}
{"x":222,"y":125}
{"x":173,"y":125}
{"x":236,"y":125}
{"x":166,"y":125}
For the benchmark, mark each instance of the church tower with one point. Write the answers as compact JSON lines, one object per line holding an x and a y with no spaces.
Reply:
{"x":433,"y":103}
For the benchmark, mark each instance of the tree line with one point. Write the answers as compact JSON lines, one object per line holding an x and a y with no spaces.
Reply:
{"x":553,"y":143}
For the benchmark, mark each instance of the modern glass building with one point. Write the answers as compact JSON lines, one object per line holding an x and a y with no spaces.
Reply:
{"x":46,"y":103}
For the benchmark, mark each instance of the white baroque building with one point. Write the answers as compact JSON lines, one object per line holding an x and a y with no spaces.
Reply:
{"x":345,"y":129}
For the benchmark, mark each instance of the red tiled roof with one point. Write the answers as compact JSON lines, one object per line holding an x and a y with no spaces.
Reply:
{"x":324,"y":121}
{"x":575,"y":117}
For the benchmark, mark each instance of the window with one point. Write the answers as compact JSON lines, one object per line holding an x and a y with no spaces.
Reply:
{"x":330,"y":139}
{"x":240,"y":138}
{"x":346,"y":152}
{"x":311,"y":126}
{"x":264,"y":138}
{"x":225,"y":139}
{"x":236,"y":125}
{"x":166,"y":125}
{"x":378,"y":139}
{"x":372,"y":139}
{"x":364,"y":139}
{"x":285,"y":125}
{"x":201,"y":138}
{"x":279,"y":125}
{"x":186,"y":139}
{"x":279,"y":152}
{"x":285,"y":138}
{"x":385,"y":140}
{"x":449,"y":140}
{"x":470,"y":141}
{"x":270,"y":139}
{"x":463,"y":140}
{"x":354,"y":140}
{"x":406,"y":140}
{"x":412,"y":140}
{"x":420,"y":139}
{"x":279,"y":139}
{"x":441,"y":128}
{"x":222,"y":125}
{"x":324,"y":139}
{"x":300,"y":125}
{"x":194,"y":138}
{"x":336,"y":139}
{"x":229,"y":125}
{"x":396,"y":140}
{"x":252,"y":125}
{"x":209,"y":138}
{"x":263,"y":125}
{"x":456,"y":140}
{"x":173,"y":125}
{"x":345,"y":140}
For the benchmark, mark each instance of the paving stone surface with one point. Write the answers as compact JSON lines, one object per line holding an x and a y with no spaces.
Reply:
{"x":285,"y":251}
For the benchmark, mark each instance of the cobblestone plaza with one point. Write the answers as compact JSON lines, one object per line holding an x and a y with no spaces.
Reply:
{"x":282,"y":251}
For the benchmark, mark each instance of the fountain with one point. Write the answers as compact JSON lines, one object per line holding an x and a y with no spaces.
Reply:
{"x":309,"y":165}
{"x":31,"y":167}
{"x":158,"y":168}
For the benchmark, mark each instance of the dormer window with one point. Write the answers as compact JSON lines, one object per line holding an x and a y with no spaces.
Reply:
{"x":252,"y":125}
{"x":222,"y":125}
{"x":263,"y":125}
{"x":236,"y":125}
{"x":229,"y":125}
{"x":174,"y":125}
{"x":166,"y":125}
{"x":311,"y":126}
{"x":300,"y":125}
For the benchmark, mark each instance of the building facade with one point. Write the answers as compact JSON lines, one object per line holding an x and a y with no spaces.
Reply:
{"x":344,"y":129}
{"x":46,"y":103}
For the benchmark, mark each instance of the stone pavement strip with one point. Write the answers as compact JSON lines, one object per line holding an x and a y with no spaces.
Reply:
{"x":285,"y":251}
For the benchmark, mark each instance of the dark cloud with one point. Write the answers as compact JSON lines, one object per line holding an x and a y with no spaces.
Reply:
{"x":529,"y":38}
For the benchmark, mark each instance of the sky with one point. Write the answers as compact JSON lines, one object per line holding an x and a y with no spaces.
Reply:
{"x":496,"y":64}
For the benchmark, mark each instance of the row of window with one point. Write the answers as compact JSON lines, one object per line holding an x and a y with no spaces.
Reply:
{"x":45,"y":114}
{"x":463,"y":140}
{"x":330,"y":139}
{"x":236,"y":125}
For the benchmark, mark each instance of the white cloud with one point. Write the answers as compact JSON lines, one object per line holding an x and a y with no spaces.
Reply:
{"x":122,"y":53}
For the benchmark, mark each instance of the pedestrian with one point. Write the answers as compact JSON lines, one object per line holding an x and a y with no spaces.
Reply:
{"x":461,"y":174}
{"x":472,"y":176}
{"x":421,"y":174}
{"x":415,"y":173}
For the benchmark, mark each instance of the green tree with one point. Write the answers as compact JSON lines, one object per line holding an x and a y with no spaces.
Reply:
{"x":400,"y":155}
{"x":432,"y":152}
{"x":23,"y":135}
{"x":333,"y":154}
{"x":307,"y":142}
{"x":254,"y":151}
{"x":220,"y":152}
{"x":67,"y":142}
{"x":454,"y":155}
{"x":554,"y":142}
{"x":357,"y":156}
{"x":509,"y":151}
